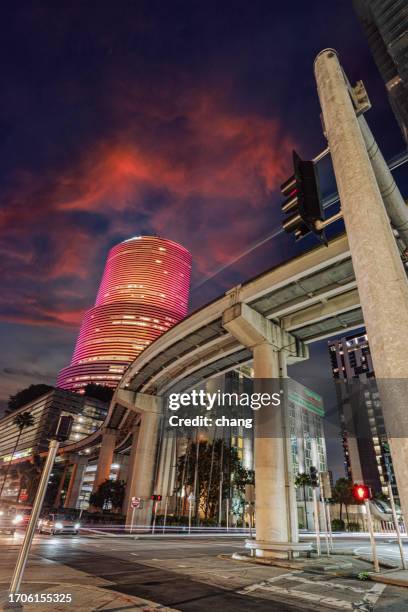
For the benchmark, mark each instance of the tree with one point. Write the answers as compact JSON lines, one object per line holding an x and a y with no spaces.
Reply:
{"x":303,"y":480}
{"x":100,"y":392}
{"x":343,"y":494}
{"x":22,"y":421}
{"x":110,"y":493}
{"x":25,"y":396}
{"x":28,"y":474}
{"x":211,"y":459}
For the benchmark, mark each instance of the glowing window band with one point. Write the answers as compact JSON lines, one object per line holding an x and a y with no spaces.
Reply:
{"x":131,"y":265}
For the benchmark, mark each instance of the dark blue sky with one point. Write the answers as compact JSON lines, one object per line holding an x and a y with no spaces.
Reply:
{"x":176,"y":118}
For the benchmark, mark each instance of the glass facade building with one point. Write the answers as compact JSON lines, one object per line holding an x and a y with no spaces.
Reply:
{"x":385,"y":24}
{"x":144,"y":291}
{"x":367,"y":455}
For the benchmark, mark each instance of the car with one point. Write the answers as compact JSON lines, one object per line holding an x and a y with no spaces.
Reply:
{"x":56,"y":524}
{"x":9,"y":521}
{"x":26,"y":516}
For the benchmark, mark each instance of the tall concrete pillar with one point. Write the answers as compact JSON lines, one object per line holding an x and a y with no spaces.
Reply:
{"x":381,"y":279}
{"x":123,"y":469}
{"x":130,"y":481}
{"x":75,"y":481}
{"x":143,"y":467}
{"x":57,"y":500}
{"x":275,"y":500}
{"x":105,"y":457}
{"x":167,"y":468}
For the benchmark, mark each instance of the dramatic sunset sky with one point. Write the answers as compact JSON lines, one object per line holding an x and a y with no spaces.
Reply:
{"x":165,"y":117}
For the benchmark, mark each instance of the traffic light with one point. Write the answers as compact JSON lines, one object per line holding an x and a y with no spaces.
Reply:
{"x":303,"y":205}
{"x":156,"y":497}
{"x":63,"y":429}
{"x":361,"y":492}
{"x":314,"y":477}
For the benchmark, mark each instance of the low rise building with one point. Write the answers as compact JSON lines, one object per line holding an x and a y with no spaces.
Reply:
{"x":21,"y":445}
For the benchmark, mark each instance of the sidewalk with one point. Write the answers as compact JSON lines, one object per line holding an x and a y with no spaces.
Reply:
{"x":88,"y":592}
{"x":396,"y":577}
{"x":339,"y":565}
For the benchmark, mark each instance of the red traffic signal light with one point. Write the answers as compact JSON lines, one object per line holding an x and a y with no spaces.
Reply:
{"x":303,"y":206}
{"x":361,"y":492}
{"x":156,"y":497}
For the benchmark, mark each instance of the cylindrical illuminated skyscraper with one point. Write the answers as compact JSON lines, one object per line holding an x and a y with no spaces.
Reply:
{"x":144,"y":291}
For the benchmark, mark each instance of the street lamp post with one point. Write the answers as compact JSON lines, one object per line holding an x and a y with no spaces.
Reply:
{"x":62,"y":433}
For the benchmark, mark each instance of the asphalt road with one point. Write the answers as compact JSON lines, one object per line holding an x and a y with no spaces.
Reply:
{"x":192,"y":575}
{"x":386,"y":545}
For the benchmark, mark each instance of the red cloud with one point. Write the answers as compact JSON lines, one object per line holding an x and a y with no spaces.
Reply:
{"x":217,"y":169}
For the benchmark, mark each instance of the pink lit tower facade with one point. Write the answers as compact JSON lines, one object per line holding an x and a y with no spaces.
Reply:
{"x":144,"y":291}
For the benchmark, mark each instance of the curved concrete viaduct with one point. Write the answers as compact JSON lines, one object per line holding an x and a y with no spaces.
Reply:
{"x":268,"y":320}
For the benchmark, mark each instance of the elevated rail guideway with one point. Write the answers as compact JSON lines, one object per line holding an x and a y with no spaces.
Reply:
{"x":281,"y":311}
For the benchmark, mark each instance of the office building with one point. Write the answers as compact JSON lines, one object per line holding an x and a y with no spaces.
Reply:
{"x":308,"y":448}
{"x":88,"y":415}
{"x":144,"y":291}
{"x":366,"y":452}
{"x":385,"y":24}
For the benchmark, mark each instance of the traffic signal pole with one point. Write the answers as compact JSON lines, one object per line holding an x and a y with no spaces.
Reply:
{"x":62,"y":433}
{"x":381,"y":279}
{"x":396,"y":526}
{"x":393,"y":201}
{"x":316,"y":521}
{"x":35,"y":514}
{"x":372,"y":537}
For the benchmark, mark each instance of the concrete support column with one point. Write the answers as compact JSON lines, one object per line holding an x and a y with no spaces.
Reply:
{"x":123,"y":470}
{"x":57,"y":500}
{"x":167,"y":467}
{"x":105,"y":457}
{"x":75,"y":482}
{"x":143,"y":468}
{"x":130,"y":481}
{"x":381,"y":279}
{"x":275,"y":500}
{"x":270,"y":501}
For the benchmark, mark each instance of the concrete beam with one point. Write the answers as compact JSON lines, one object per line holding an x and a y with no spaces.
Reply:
{"x":320,"y":312}
{"x":251,"y":329}
{"x":137,"y":402}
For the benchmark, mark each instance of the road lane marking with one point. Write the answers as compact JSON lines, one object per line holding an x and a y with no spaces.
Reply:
{"x":304,"y":595}
{"x":343,"y":587}
{"x":374,"y":594}
{"x":368,"y":600}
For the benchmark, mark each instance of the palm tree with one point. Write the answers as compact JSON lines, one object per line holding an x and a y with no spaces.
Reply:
{"x":343,"y":494}
{"x":304,"y":480}
{"x":22,"y":421}
{"x":28,"y":473}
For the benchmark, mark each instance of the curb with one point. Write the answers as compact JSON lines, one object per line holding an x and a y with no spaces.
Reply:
{"x":296,"y":565}
{"x":385,"y":564}
{"x":138,"y":602}
{"x":384,"y":579}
